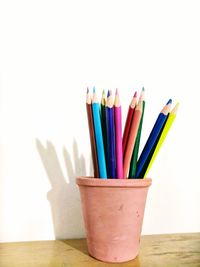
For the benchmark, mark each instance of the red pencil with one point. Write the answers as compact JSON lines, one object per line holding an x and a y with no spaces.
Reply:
{"x":132,"y":137}
{"x":92,"y":134}
{"x":128,"y":122}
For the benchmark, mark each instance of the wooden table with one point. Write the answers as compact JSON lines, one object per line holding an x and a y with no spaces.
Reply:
{"x":156,"y":250}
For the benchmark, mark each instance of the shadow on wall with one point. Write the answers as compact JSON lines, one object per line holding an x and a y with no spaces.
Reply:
{"x":64,"y":197}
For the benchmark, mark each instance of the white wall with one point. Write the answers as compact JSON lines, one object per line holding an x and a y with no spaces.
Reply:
{"x":50,"y":51}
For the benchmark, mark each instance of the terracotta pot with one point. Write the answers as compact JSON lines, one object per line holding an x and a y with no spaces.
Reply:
{"x":113,"y":211}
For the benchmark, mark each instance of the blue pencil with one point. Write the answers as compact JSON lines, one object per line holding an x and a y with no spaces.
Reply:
{"x":152,"y":139}
{"x":98,"y":137}
{"x":110,"y":136}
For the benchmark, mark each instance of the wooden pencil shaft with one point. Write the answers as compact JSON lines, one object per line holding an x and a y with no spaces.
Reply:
{"x":110,"y":142}
{"x":118,"y":142}
{"x":92,"y":139}
{"x":131,"y":141}
{"x":133,"y":164}
{"x":127,"y":128}
{"x":162,"y":137}
{"x":150,"y":143}
{"x":99,"y":140}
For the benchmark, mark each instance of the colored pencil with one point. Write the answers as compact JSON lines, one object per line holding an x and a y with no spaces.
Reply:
{"x":98,"y":137}
{"x":118,"y":136}
{"x":103,"y":122}
{"x":128,"y":122}
{"x":92,"y":134}
{"x":132,"y":137}
{"x":152,"y":139}
{"x":110,"y":136}
{"x":134,"y":158}
{"x":168,"y":124}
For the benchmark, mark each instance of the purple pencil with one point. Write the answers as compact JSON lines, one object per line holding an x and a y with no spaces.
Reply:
{"x":118,"y":136}
{"x":110,"y":136}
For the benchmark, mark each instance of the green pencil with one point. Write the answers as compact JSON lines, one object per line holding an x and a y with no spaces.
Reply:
{"x":133,"y":164}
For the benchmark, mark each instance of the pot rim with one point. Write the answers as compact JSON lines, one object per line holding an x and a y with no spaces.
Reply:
{"x":98,"y":182}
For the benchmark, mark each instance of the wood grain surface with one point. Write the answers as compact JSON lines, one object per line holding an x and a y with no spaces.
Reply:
{"x":156,"y":250}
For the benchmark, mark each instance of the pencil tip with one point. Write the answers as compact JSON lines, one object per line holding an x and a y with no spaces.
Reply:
{"x":135,"y":95}
{"x":94,"y":89}
{"x":177,"y":105}
{"x":169,"y":101}
{"x":116,"y":92}
{"x":175,"y":109}
{"x":143,"y":88}
{"x":88,"y":90}
{"x":108,"y":94}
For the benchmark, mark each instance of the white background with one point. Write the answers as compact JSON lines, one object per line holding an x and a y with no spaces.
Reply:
{"x":50,"y":51}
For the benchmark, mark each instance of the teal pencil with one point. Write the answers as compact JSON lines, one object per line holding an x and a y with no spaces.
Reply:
{"x":99,"y":137}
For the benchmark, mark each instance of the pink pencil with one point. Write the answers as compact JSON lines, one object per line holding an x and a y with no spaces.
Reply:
{"x":128,"y":122}
{"x":118,"y":136}
{"x":132,"y":137}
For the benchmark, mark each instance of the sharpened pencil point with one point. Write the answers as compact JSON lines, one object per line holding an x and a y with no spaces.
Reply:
{"x":142,"y":94}
{"x":103,"y":98}
{"x":88,"y":98}
{"x":175,"y":109}
{"x":169,"y":101}
{"x":108,"y":94}
{"x":94,"y":89}
{"x":135,"y":95}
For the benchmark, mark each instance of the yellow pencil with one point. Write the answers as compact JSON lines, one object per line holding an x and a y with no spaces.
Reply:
{"x":169,"y":122}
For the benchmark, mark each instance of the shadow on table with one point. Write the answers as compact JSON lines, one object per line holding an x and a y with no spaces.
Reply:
{"x":79,"y":244}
